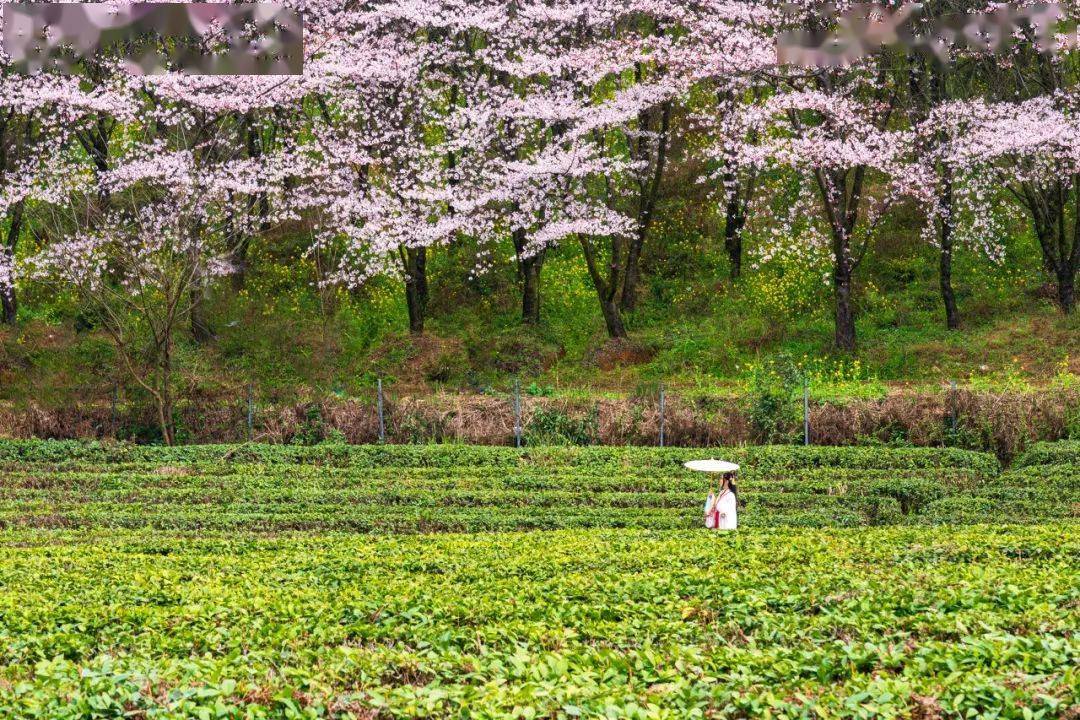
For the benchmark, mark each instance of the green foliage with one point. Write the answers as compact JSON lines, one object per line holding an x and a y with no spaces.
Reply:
{"x":554,"y":427}
{"x":609,"y":459}
{"x":701,"y":329}
{"x":593,"y":624}
{"x":313,"y":429}
{"x":536,"y":390}
{"x":773,"y":402}
{"x":1044,"y":453}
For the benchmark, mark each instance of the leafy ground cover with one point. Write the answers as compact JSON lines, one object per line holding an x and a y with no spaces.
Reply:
{"x":883,"y":622}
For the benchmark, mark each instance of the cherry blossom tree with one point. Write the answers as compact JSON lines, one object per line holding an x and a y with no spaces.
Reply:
{"x":927,"y":115}
{"x":550,"y":161}
{"x":513,"y":127}
{"x":141,"y":264}
{"x":727,"y":60}
{"x":391,"y":142}
{"x":1030,"y":149}
{"x":140,"y":223}
{"x":939,"y":83}
{"x":39,"y":116}
{"x":838,"y":138}
{"x":613,"y":76}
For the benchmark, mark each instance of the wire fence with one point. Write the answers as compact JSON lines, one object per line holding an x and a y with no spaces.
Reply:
{"x":515,"y":403}
{"x":952,"y":415}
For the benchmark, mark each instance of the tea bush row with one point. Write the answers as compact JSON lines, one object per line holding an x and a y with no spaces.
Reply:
{"x":233,"y":495}
{"x":763,"y":458}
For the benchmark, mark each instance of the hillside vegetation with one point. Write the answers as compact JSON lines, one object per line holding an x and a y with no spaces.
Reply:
{"x":732,"y":369}
{"x":694,"y":331}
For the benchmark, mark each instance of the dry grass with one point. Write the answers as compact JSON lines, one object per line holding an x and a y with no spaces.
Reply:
{"x":1002,"y":422}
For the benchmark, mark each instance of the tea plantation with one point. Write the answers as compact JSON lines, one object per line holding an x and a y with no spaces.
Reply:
{"x":411,"y":581}
{"x":461,"y":488}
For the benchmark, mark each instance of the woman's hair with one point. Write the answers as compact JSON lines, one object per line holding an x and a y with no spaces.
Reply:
{"x":731,"y":486}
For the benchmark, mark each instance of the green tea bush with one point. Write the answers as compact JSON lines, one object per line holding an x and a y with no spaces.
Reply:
{"x":1065,"y":452}
{"x":772,"y":406}
{"x":554,"y":427}
{"x":780,"y":457}
{"x":221,"y":582}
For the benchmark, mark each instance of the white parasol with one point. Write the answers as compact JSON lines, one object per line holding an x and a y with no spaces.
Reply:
{"x":711,"y":466}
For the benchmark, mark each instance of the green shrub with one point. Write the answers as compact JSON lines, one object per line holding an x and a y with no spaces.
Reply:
{"x":759,"y":458}
{"x":773,"y":406}
{"x":554,"y":427}
{"x":1065,"y":452}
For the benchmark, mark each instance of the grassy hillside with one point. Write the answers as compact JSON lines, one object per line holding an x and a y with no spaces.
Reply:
{"x":694,"y":330}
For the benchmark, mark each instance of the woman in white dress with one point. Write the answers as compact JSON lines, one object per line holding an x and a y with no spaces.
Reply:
{"x":721,"y":508}
{"x":727,"y":506}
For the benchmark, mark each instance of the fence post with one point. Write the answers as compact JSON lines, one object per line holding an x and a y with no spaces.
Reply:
{"x":806,"y":410}
{"x":251,"y":412}
{"x":517,"y":412}
{"x":382,"y":420}
{"x":952,"y":406}
{"x":662,"y":408}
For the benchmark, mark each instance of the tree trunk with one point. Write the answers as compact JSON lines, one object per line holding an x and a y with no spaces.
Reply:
{"x":1060,"y":258}
{"x":200,"y":326}
{"x":416,"y":307}
{"x":734,"y":221}
{"x":936,"y":94}
{"x":948,"y":297}
{"x":421,"y":278}
{"x":416,"y":287}
{"x":1070,"y":261}
{"x":841,"y":206}
{"x":528,"y":267}
{"x":8,"y":301}
{"x":164,"y":397}
{"x":650,"y":192}
{"x":242,"y":246}
{"x":845,"y":315}
{"x":612,"y":318}
{"x":260,"y":202}
{"x":530,"y":289}
{"x":628,"y":301}
{"x":843,"y":272}
{"x":238,"y":279}
{"x":606,"y":290}
{"x":95,"y":141}
{"x":1066,"y":288}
